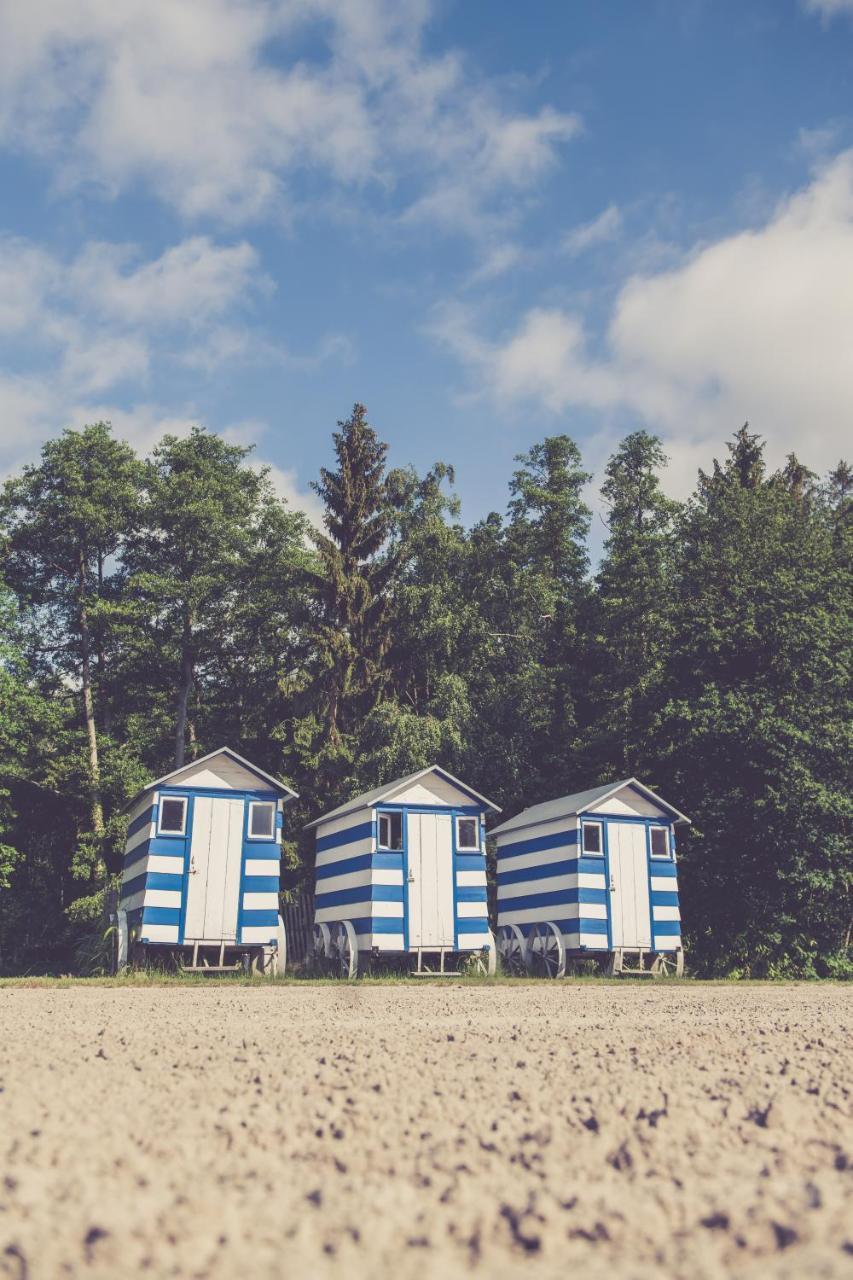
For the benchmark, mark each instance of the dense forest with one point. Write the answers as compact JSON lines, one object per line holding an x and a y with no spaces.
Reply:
{"x":153,"y":609}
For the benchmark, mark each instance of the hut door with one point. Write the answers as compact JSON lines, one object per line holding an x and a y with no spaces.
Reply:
{"x":214,"y":881}
{"x":430,"y":850}
{"x":630,"y":919}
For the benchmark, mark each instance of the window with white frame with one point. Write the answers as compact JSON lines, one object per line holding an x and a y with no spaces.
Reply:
{"x":172,"y":818}
{"x":593,"y":837}
{"x":467,"y":835}
{"x":659,"y":837}
{"x":390,"y":833}
{"x":261,"y":820}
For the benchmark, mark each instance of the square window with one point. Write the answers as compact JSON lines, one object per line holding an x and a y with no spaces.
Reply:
{"x":592,"y":837}
{"x":261,"y":820}
{"x":467,"y":834}
{"x":390,"y":831}
{"x":173,"y":816}
{"x":660,"y":842}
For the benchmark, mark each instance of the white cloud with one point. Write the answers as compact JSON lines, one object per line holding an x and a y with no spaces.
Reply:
{"x":187,"y":97}
{"x":589,"y":235}
{"x":758,"y":325}
{"x":828,"y":8}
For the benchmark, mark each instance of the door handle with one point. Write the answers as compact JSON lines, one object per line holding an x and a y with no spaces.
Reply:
{"x":612,"y":885}
{"x":411,"y":877}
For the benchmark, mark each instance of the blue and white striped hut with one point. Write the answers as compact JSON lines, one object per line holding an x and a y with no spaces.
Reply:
{"x":401,"y":871}
{"x":201,"y":866}
{"x":591,"y":875}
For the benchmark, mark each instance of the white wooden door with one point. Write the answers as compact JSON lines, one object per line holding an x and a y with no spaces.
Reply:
{"x":214,"y":881}
{"x":630,"y":915}
{"x":430,"y":852}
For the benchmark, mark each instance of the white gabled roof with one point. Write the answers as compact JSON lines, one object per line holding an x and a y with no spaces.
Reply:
{"x":580,"y":802}
{"x":390,"y":789}
{"x":275,"y":783}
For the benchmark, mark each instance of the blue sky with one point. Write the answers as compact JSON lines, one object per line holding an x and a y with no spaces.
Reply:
{"x":488,"y":221}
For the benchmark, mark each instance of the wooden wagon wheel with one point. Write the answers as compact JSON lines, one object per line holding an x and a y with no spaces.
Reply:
{"x":344,"y":949}
{"x":546,"y":951}
{"x":512,"y":948}
{"x":321,"y":948}
{"x":669,"y":964}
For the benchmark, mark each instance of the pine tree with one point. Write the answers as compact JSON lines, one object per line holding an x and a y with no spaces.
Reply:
{"x":631,"y":610}
{"x":753,"y":734}
{"x":357,"y":565}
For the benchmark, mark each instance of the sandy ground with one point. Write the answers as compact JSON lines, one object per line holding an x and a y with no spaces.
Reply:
{"x":530,"y":1130}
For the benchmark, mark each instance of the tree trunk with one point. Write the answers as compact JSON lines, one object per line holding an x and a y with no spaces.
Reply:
{"x":187,"y":673}
{"x":96,"y":801}
{"x":103,"y":699}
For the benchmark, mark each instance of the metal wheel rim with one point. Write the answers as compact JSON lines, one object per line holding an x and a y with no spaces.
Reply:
{"x":547,"y":954}
{"x":513,"y":949}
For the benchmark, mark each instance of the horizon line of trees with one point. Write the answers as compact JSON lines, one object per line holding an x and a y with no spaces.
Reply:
{"x":154,"y":609}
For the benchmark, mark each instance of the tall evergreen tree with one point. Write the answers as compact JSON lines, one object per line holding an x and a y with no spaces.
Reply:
{"x":753,"y":735}
{"x":358,"y":562}
{"x":631,"y":610}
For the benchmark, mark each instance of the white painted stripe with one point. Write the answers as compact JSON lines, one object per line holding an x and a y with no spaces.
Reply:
{"x":471,"y":879}
{"x":160,"y":932}
{"x":471,"y":910}
{"x":134,"y":902}
{"x":261,"y":867}
{"x":595,"y":941}
{"x":473,"y":941}
{"x":669,"y":943}
{"x":258,"y":933}
{"x":138,"y":869}
{"x":162,"y":862}
{"x":383,"y":941}
{"x":352,"y":880}
{"x":358,"y":847}
{"x":537,"y":915}
{"x":666,"y":913}
{"x":553,"y":884}
{"x":355,"y":818}
{"x":388,"y":876}
{"x":664,"y":884}
{"x":359,"y":910}
{"x":260,"y":902}
{"x":542,"y":858}
{"x":162,"y":897}
{"x":139,"y":837}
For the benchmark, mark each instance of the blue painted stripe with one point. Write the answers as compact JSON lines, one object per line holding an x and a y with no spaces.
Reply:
{"x":478,"y":924}
{"x":263,"y":852}
{"x":666,"y":928}
{"x":260,"y":884}
{"x":661,"y":898}
{"x":136,"y":855}
{"x":362,"y":893}
{"x":542,"y":871}
{"x":388,"y":861}
{"x":580,"y":925}
{"x":470,"y":862}
{"x":130,"y":887}
{"x":258,"y":917}
{"x":378,"y":924}
{"x":143,"y":820}
{"x":662,"y":867}
{"x":529,"y":901}
{"x":161,"y":915}
{"x":168,"y":846}
{"x":592,"y":864}
{"x":363,"y":831}
{"x":471,"y":893}
{"x":164,"y":880}
{"x":538,"y":843}
{"x":359,"y":863}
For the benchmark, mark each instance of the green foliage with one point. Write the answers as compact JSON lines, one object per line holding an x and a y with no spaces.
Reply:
{"x":156,"y":610}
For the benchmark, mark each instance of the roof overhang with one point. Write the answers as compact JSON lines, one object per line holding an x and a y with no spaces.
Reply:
{"x":274,"y":783}
{"x":384,"y":795}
